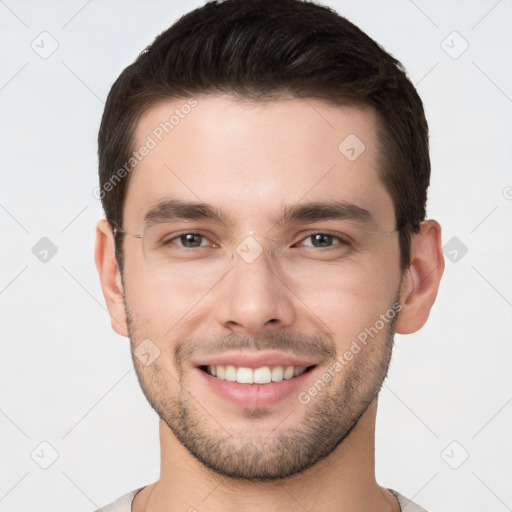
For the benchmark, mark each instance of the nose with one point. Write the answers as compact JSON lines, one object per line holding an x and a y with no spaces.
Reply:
{"x":253,"y":298}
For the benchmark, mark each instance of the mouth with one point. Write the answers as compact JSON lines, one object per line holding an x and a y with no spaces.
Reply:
{"x":255,"y":380}
{"x":262,"y":375}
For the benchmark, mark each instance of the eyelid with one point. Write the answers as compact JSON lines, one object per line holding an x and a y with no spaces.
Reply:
{"x":177,"y":236}
{"x":343,"y":238}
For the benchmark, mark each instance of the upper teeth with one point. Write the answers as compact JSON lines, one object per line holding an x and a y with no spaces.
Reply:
{"x":262,"y":375}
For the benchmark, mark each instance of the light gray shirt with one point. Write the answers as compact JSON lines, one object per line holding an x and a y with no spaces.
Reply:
{"x":124,"y":503}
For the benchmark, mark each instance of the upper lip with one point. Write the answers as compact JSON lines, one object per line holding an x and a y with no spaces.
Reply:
{"x":255,"y":359}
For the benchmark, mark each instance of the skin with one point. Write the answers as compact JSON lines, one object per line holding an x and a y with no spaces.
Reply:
{"x":250,"y":160}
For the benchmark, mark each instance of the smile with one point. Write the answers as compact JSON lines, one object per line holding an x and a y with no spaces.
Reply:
{"x":261,"y":375}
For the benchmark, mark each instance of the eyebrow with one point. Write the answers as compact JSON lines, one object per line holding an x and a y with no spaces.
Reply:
{"x":173,"y":210}
{"x":323,"y":211}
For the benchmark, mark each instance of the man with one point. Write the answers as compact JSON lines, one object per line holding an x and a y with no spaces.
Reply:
{"x":264,"y":167}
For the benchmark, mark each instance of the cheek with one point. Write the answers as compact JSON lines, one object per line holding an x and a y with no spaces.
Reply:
{"x":353,"y":298}
{"x":162,"y":306}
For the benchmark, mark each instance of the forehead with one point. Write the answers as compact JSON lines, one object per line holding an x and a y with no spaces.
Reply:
{"x":251,"y":160}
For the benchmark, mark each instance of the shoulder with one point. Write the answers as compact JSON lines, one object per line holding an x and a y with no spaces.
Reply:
{"x":406,"y":505}
{"x":122,"y":504}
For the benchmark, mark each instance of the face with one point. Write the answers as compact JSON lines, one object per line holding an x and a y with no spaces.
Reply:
{"x":263,"y":293}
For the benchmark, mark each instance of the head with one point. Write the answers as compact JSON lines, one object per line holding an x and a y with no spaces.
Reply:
{"x":293,"y":150}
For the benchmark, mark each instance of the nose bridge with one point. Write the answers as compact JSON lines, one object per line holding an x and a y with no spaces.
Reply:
{"x":253,"y":296}
{"x":254,"y":260}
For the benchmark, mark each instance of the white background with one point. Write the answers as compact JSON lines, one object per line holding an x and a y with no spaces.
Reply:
{"x":68,"y":380}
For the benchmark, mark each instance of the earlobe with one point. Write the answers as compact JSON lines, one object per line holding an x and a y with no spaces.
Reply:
{"x":421,"y":280}
{"x":110,"y":277}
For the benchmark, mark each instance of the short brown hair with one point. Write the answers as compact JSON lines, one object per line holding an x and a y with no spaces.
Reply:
{"x":258,"y":49}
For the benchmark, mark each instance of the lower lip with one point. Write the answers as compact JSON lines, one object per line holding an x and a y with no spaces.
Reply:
{"x":256,"y":396}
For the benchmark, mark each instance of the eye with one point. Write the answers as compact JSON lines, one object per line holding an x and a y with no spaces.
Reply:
{"x":190,"y":240}
{"x":323,"y":240}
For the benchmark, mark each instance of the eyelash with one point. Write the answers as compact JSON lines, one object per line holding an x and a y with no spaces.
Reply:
{"x":342,"y":241}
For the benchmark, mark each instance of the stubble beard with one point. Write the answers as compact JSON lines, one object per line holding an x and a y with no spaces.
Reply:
{"x":327,"y":420}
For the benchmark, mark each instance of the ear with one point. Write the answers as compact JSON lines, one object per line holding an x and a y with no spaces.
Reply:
{"x":421,"y":280}
{"x":110,"y":277}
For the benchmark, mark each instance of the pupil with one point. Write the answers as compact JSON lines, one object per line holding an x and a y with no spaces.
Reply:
{"x":322,"y":240}
{"x":191,"y":240}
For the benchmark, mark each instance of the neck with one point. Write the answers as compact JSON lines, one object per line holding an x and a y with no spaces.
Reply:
{"x":344,"y":481}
